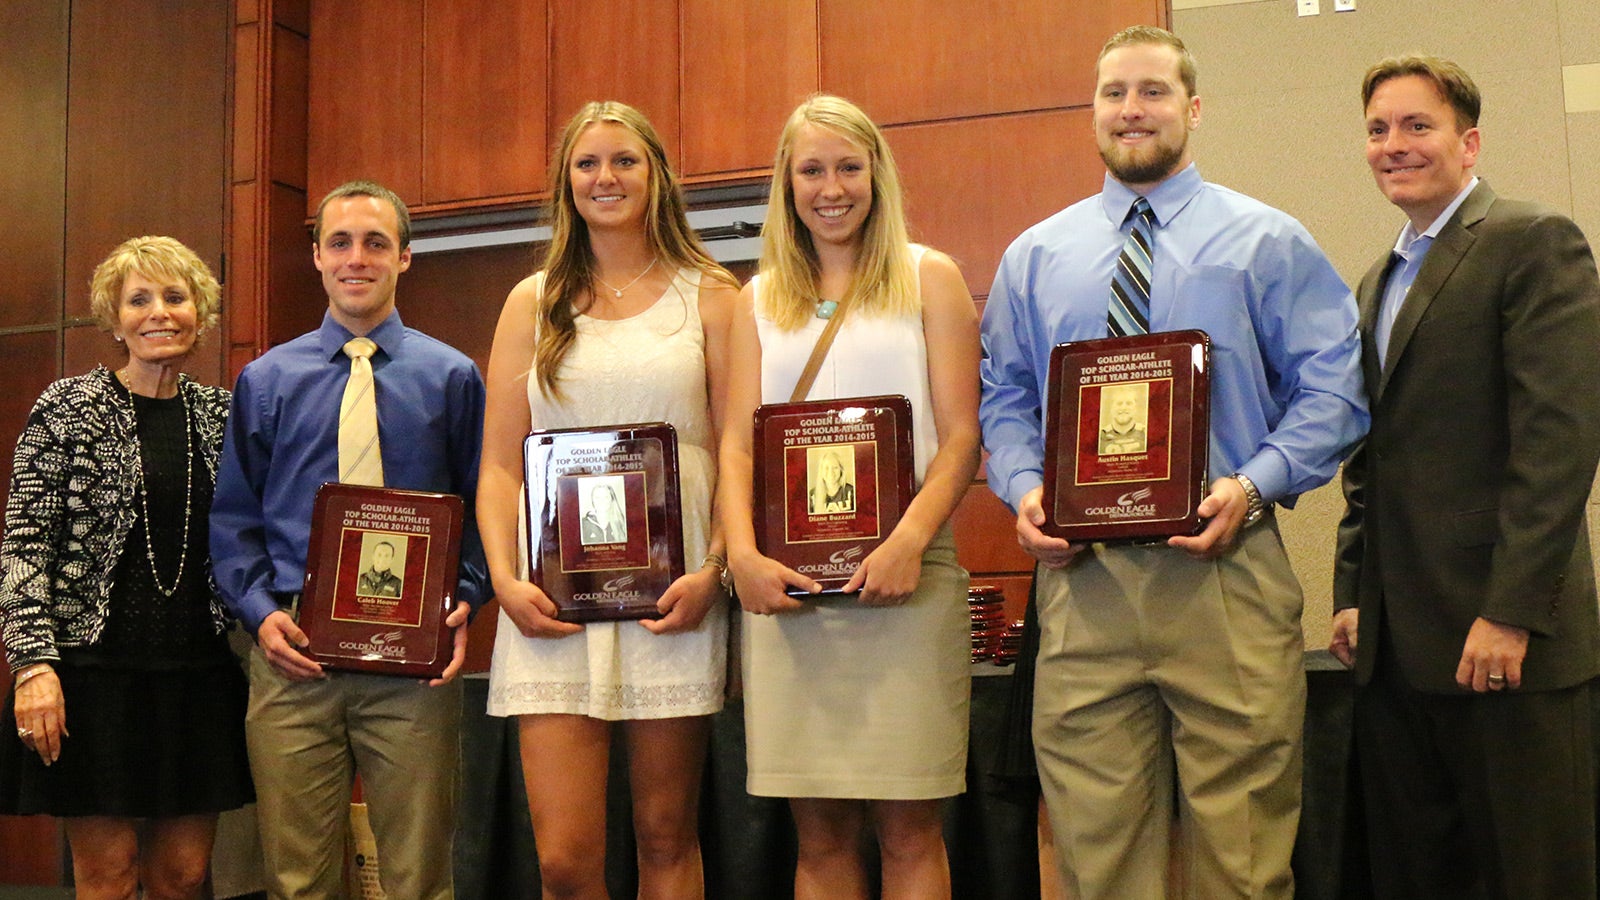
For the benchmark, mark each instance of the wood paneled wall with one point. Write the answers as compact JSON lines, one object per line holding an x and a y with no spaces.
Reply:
{"x":134,"y":148}
{"x":987,"y":111}
{"x":33,"y":159}
{"x":116,"y":124}
{"x":366,"y":101}
{"x":482,"y":99}
{"x":744,"y":67}
{"x":274,"y":290}
{"x":454,"y":104}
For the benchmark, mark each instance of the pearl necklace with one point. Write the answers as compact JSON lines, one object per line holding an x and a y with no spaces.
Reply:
{"x":188,"y":500}
{"x":618,"y":290}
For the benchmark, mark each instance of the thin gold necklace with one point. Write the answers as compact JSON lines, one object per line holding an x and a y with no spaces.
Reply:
{"x":617,"y":291}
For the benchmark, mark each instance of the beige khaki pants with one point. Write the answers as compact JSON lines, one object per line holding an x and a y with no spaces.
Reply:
{"x":306,"y":741}
{"x":1161,"y":675}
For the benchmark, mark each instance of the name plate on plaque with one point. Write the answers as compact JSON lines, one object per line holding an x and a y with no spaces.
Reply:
{"x":1127,"y":433}
{"x":831,"y":480}
{"x":381,"y":575}
{"x":605,"y":535}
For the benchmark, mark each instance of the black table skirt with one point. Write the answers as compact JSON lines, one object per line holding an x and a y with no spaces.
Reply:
{"x":748,"y":842}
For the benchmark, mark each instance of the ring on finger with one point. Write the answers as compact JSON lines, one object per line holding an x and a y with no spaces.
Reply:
{"x":1496,"y":678}
{"x":24,"y":733}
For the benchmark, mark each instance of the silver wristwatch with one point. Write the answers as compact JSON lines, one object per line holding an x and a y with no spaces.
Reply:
{"x":1252,"y":495}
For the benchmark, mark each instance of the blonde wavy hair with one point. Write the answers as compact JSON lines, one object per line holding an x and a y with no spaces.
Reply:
{"x":154,"y":257}
{"x":884,"y":281}
{"x":569,"y":265}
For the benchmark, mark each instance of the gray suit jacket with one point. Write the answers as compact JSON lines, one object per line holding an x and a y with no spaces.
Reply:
{"x":1468,"y":497}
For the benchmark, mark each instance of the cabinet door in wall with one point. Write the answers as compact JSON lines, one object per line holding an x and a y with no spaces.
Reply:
{"x":746,"y":64}
{"x":33,"y":165}
{"x":483,"y":100}
{"x":146,"y":131}
{"x":365,"y":109}
{"x":921,"y":60}
{"x":624,"y":50}
{"x":973,"y":185}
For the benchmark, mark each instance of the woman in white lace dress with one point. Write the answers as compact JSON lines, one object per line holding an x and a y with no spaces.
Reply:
{"x":856,"y":707}
{"x":625,"y":322}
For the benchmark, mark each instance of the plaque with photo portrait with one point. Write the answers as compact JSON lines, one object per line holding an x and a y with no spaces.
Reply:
{"x":1127,"y":435}
{"x":381,"y":577}
{"x":831,"y":480}
{"x":605,"y":535}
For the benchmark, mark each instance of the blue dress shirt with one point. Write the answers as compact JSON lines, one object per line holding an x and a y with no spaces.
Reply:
{"x":283,"y":443}
{"x":1286,"y":397}
{"x":1410,"y":249}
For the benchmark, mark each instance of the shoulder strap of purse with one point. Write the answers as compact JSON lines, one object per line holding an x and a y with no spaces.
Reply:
{"x":808,"y":375}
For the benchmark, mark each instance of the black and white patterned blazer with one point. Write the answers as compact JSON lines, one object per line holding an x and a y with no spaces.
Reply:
{"x":73,"y":502}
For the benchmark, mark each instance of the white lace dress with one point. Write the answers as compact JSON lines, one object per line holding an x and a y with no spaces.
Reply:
{"x":648,"y":368}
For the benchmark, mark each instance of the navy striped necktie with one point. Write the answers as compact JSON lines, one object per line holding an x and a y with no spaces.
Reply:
{"x":1129,"y":310}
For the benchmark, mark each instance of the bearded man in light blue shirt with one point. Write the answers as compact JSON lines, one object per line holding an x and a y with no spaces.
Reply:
{"x":1178,"y":664}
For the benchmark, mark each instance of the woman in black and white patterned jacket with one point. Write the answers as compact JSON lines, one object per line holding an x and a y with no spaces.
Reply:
{"x":108,"y":612}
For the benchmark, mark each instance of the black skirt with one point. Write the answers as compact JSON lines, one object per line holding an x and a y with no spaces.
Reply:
{"x":141,"y":744}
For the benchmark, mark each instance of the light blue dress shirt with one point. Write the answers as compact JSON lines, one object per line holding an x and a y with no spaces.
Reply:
{"x":1410,"y":249}
{"x":282,"y":444}
{"x":1286,"y":397}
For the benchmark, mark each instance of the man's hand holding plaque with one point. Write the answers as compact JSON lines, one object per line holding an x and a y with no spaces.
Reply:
{"x":1127,"y":434}
{"x":1051,"y":552}
{"x":1223,"y":511}
{"x":380,"y":587}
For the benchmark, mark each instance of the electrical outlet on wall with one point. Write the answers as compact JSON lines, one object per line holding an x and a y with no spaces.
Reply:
{"x":1344,"y":5}
{"x":1309,"y":7}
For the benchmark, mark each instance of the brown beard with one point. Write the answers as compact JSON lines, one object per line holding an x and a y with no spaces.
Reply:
{"x":1161,"y":163}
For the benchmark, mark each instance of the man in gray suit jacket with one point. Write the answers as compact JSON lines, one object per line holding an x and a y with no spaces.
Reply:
{"x":1463,"y":554}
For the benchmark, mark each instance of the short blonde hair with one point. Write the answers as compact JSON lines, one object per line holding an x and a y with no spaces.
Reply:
{"x":1188,"y":72}
{"x":154,"y":256}
{"x":884,"y":280}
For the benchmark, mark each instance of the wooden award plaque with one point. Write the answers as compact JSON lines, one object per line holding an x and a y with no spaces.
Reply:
{"x":831,"y":480}
{"x":1127,"y":435}
{"x":605,"y":535}
{"x":381,"y":575}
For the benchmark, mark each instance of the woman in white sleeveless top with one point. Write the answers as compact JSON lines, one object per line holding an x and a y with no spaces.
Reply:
{"x":627,"y":321}
{"x":856,"y":707}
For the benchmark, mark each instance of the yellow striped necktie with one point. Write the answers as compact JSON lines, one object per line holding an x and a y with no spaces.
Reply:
{"x":359,"y":459}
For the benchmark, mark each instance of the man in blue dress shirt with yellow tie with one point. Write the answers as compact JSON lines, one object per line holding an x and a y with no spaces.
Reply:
{"x":308,"y":729}
{"x":1174,"y":666}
